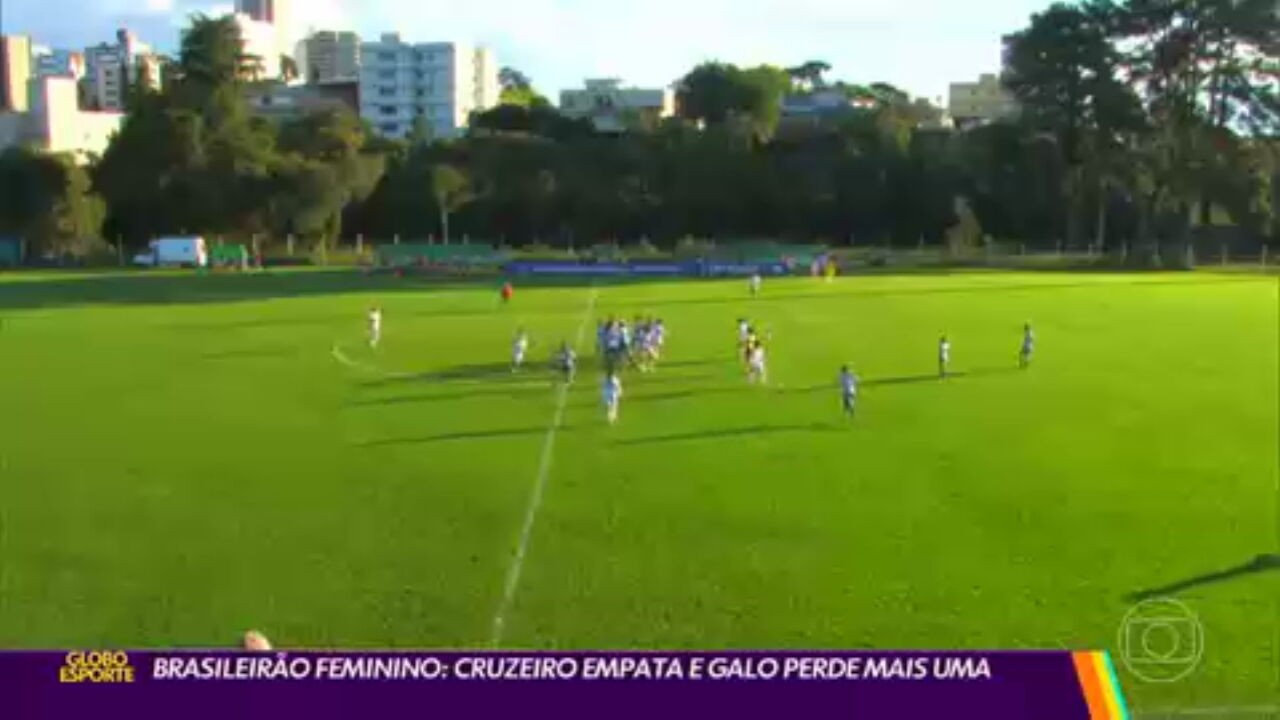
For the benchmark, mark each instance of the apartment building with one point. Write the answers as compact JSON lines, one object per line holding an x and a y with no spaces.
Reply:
{"x":984,"y":101}
{"x":440,"y":82}
{"x":54,"y":122}
{"x":329,"y":57}
{"x":111,"y":68}
{"x":612,"y":107}
{"x":15,"y":71}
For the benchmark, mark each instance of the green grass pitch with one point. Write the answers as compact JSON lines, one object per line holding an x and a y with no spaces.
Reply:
{"x":182,"y":458}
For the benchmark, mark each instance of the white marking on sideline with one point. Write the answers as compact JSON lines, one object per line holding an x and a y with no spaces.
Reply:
{"x":539,"y":487}
{"x":357,"y":365}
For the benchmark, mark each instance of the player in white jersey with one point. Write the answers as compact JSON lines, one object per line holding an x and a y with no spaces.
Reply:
{"x":848,"y":390}
{"x":375,"y":326}
{"x":1028,"y":347}
{"x":611,"y":394}
{"x":944,"y":357}
{"x":567,"y":362}
{"x":744,"y":331}
{"x":659,"y":338}
{"x":756,"y":371}
{"x":756,"y":282}
{"x":519,"y":349}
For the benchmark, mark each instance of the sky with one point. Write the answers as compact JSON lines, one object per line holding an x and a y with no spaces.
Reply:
{"x":918,"y":45}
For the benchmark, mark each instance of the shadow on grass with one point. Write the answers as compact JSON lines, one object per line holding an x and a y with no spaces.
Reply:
{"x":490,"y":372}
{"x":731,"y":433}
{"x":1260,"y":564}
{"x":508,"y":391}
{"x":683,"y":394}
{"x":125,"y":287}
{"x":906,"y":380}
{"x":458,"y":436}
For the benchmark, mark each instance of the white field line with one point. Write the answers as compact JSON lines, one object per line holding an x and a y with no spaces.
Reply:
{"x":535,"y":498}
{"x":357,"y":365}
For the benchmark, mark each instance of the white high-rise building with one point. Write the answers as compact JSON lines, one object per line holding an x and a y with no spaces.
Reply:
{"x":109,"y":69}
{"x":440,"y":82}
{"x":267,"y":26}
{"x":261,"y":42}
{"x":328,"y":57}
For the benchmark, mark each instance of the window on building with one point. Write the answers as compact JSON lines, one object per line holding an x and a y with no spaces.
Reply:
{"x":389,"y":128}
{"x":421,"y":110}
{"x":387,"y":57}
{"x":386,"y":92}
{"x":387,"y":74}
{"x":387,"y":110}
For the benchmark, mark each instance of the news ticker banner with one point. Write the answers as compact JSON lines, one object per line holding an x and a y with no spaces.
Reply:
{"x":142,"y":684}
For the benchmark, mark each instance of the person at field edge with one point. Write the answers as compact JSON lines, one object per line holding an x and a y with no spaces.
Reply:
{"x":944,"y":357}
{"x":848,"y":390}
{"x":507,"y":291}
{"x":375,"y":326}
{"x":518,"y":350}
{"x":611,"y":394}
{"x":1028,"y":347}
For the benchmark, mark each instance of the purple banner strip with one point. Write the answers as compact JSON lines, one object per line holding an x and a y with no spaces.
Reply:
{"x":287,"y":685}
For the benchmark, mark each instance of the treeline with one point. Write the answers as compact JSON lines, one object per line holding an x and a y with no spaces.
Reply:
{"x":1141,"y":121}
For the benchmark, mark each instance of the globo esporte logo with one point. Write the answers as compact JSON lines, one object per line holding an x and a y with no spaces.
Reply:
{"x":1161,"y":640}
{"x":96,"y":666}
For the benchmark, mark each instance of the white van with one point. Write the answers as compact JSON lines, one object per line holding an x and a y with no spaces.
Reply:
{"x":171,"y":251}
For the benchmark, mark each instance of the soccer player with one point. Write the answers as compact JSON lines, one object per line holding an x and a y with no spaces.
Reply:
{"x":748,"y":347}
{"x":375,"y":326}
{"x":848,"y":390}
{"x":944,"y":357}
{"x":611,"y":394}
{"x":507,"y":291}
{"x":744,"y":331}
{"x":568,"y":361}
{"x":612,"y":346}
{"x":659,"y":338}
{"x":1028,"y":347}
{"x":518,"y":350}
{"x":756,"y":282}
{"x":756,"y":372}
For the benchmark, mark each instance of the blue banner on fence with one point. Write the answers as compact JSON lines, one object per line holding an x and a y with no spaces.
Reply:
{"x":720,"y":269}
{"x":134,"y":684}
{"x":698,"y":268}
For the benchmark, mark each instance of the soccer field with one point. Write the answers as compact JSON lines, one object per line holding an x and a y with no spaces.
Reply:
{"x":182,"y":458}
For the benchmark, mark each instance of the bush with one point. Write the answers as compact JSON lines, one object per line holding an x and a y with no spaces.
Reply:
{"x":644,"y":248}
{"x":689,"y":248}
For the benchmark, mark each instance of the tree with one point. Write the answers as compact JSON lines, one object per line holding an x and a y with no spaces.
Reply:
{"x":716,"y":93}
{"x":48,"y":200}
{"x":289,"y":69}
{"x":420,"y":132}
{"x":517,"y":89}
{"x":452,"y":190}
{"x":1064,"y":72}
{"x":808,"y":76}
{"x":511,"y":79}
{"x":321,"y":170}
